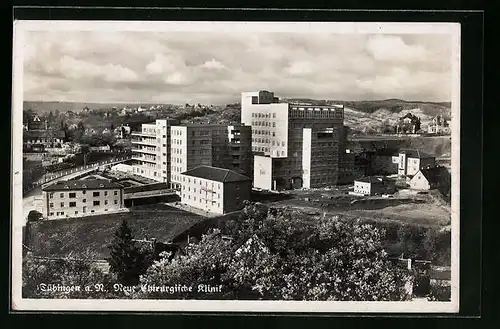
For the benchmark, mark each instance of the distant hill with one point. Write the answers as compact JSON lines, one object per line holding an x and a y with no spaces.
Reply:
{"x":391,"y":105}
{"x":44,"y":107}
{"x":363,"y":115}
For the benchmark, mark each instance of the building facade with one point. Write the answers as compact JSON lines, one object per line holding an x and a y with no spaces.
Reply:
{"x":411,"y":161}
{"x":432,"y":178}
{"x":151,"y":150}
{"x":294,"y":145}
{"x":214,"y":145}
{"x":374,"y":185}
{"x":78,"y":198}
{"x":214,"y":190}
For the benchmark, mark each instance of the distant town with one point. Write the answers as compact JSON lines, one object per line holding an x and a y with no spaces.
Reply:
{"x":387,"y":163}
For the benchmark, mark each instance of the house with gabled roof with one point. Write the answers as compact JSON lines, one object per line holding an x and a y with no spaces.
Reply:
{"x":214,"y":190}
{"x":430,"y":178}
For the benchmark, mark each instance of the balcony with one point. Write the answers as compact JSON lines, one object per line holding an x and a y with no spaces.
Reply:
{"x":207,"y":189}
{"x":143,"y":142}
{"x":141,"y":134}
{"x":143,"y":150}
{"x":141,"y":158}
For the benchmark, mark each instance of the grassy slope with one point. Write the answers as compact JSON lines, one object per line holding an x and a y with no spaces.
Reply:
{"x":61,"y":237}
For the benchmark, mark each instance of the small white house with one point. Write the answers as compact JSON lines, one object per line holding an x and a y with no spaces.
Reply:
{"x":430,"y":178}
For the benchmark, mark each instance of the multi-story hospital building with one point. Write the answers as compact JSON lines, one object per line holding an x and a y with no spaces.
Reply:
{"x":165,"y":149}
{"x":151,"y":150}
{"x":294,"y":145}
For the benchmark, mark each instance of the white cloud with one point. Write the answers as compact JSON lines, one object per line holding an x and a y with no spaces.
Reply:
{"x":213,"y":64}
{"x":176,"y":78}
{"x":393,"y":48}
{"x":120,"y":66}
{"x":78,"y":69}
{"x":299,"y":68}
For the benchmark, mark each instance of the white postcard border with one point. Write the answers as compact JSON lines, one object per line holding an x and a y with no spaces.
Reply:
{"x":19,"y":303}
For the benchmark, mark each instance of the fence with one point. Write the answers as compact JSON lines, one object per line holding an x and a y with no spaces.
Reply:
{"x":55,"y":175}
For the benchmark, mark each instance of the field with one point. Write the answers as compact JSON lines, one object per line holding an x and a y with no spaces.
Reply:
{"x":405,"y":208}
{"x":63,"y":237}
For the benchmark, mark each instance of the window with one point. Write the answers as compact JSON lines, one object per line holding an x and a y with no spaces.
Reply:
{"x":92,"y":211}
{"x":105,"y":201}
{"x":61,"y":195}
{"x":76,"y":212}
{"x":72,"y":195}
{"x":105,"y":193}
{"x":51,"y":195}
{"x":97,"y":203}
{"x":62,"y":212}
{"x":105,"y":209}
{"x":51,"y":214}
{"x":62,"y":204}
{"x":116,"y":201}
{"x":84,"y":191}
{"x":51,"y":205}
{"x":116,"y":193}
{"x":72,"y":204}
{"x":95,"y":193}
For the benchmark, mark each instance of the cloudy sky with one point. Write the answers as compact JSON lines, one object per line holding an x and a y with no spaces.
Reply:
{"x":215,"y":67}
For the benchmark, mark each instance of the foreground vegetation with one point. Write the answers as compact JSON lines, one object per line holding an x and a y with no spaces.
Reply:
{"x":265,"y":253}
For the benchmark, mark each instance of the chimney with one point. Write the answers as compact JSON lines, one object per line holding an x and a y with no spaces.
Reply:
{"x":409,"y":263}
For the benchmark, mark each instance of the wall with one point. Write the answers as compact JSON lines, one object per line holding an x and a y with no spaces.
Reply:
{"x":115,"y":202}
{"x":235,"y":194}
{"x":306,"y":157}
{"x":202,"y":194}
{"x":262,"y":172}
{"x":362,"y":187}
{"x":419,"y":182}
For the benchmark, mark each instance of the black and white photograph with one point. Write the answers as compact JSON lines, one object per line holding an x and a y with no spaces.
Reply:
{"x":236,"y":166}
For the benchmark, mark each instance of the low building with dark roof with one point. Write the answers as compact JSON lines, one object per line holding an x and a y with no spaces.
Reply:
{"x":47,"y":138}
{"x":215,"y":190}
{"x":374,"y":185}
{"x":78,"y":198}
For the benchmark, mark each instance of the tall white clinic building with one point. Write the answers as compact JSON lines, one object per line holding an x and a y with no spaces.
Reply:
{"x":294,"y":145}
{"x":151,"y":150}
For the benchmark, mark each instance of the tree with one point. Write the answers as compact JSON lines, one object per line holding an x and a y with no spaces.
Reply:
{"x":79,"y":270}
{"x":34,"y":216}
{"x":126,"y":260}
{"x":200,"y":263}
{"x":283,"y":255}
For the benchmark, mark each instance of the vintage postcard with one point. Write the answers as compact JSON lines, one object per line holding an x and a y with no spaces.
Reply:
{"x":235,"y":166}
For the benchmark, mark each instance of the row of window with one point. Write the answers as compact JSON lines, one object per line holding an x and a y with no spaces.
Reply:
{"x":72,"y":195}
{"x":263,"y":132}
{"x":263,"y":115}
{"x":203,"y":190}
{"x":200,"y":181}
{"x":264,"y":124}
{"x":200,"y":200}
{"x":61,"y":213}
{"x":266,"y":140}
{"x":73,"y":204}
